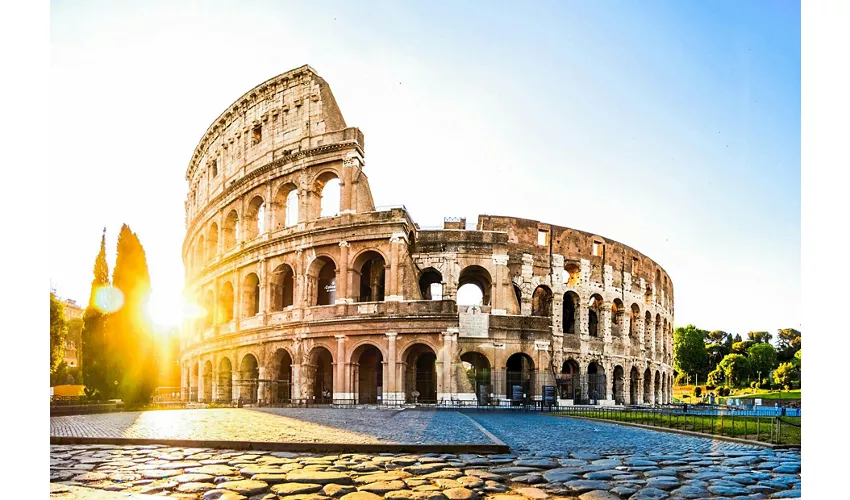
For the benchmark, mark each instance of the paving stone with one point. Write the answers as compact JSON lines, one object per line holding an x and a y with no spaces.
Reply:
{"x":217,"y":494}
{"x":786,"y":494}
{"x":90,"y":477}
{"x":381,"y":487}
{"x":690,"y":492}
{"x":160,"y":473}
{"x":583,"y":485}
{"x":382,"y":476}
{"x":213,"y":470}
{"x":598,"y":495}
{"x":444,"y":474}
{"x":649,"y":494}
{"x":195,"y":487}
{"x":560,"y":475}
{"x":663,"y":482}
{"x":622,"y":491}
{"x":301,"y":476}
{"x":295,"y":488}
{"x":536,"y":462}
{"x":787,"y":469}
{"x":727,"y":490}
{"x":514,"y":470}
{"x":460,"y":494}
{"x":483,"y":474}
{"x":245,"y":486}
{"x":191,"y":478}
{"x":533,"y":493}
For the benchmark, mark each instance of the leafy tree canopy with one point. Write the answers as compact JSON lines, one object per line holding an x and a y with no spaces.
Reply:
{"x":689,"y":354}
{"x":759,"y":337}
{"x":735,"y":368}
{"x":58,"y":332}
{"x":762,"y":358}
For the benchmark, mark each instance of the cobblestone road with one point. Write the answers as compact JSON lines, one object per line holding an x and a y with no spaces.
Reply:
{"x":553,"y":457}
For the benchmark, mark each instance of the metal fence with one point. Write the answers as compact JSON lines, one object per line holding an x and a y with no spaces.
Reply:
{"x":768,"y":429}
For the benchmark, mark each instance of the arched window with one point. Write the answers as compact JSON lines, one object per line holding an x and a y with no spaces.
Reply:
{"x":617,"y":311}
{"x":571,"y":302}
{"x":231,"y":228}
{"x":225,"y":303}
{"x":322,"y":281}
{"x":212,"y":242}
{"x":634,"y":317}
{"x":572,"y":273}
{"x":285,"y":206}
{"x":431,"y":284}
{"x":251,"y":295}
{"x":330,"y":198}
{"x":209,"y":300}
{"x":283,"y":287}
{"x":541,"y":301}
{"x":474,"y":286}
{"x":202,"y":259}
{"x":292,"y":208}
{"x":369,"y":277}
{"x":593,"y":316}
{"x":254,"y":215}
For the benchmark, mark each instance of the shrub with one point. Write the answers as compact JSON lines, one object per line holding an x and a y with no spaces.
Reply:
{"x":723,"y":391}
{"x":697,"y":391}
{"x":710,"y":387}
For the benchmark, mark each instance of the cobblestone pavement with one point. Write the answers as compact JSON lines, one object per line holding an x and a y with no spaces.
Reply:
{"x":554,"y":458}
{"x":313,"y":425}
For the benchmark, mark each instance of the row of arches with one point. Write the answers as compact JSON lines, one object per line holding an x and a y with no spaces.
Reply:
{"x":255,"y":220}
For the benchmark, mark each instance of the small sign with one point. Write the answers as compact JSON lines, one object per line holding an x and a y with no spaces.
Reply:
{"x":548,"y":394}
{"x":516,"y":393}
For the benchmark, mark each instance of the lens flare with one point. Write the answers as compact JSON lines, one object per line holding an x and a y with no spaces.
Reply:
{"x":108,"y":299}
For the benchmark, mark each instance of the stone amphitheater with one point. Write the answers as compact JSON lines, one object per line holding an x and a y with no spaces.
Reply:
{"x":312,"y":295}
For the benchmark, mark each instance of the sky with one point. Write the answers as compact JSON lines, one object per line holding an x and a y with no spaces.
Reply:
{"x":672,"y":127}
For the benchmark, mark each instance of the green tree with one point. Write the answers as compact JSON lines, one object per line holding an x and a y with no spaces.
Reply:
{"x":689,"y":354}
{"x":735,"y":368}
{"x":762,"y":359}
{"x":786,"y":374}
{"x":94,"y":354}
{"x":788,"y":342}
{"x":737,"y":338}
{"x":742,"y":347}
{"x":717,"y":337}
{"x":58,"y":332}
{"x":716,"y":378}
{"x":716,"y":352}
{"x":135,"y":349}
{"x":759,"y":337}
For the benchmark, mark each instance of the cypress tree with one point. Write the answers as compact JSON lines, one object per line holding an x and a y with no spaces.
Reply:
{"x":135,"y":356}
{"x":94,"y":355}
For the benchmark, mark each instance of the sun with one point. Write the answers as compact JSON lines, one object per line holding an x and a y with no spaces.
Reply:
{"x":170,"y":311}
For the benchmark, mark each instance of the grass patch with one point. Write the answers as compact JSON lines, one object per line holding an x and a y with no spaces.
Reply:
{"x":772,"y":395}
{"x":784,"y":430}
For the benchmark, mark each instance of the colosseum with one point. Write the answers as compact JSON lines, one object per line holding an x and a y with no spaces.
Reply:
{"x":313,"y":295}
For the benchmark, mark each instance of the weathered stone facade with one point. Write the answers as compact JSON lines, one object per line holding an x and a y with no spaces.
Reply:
{"x":360,"y":304}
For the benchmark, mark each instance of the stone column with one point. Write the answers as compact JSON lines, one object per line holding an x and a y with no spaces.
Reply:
{"x":446,"y":354}
{"x":627,"y":387}
{"x":639,"y":389}
{"x":609,"y":379}
{"x":342,"y":295}
{"x":582,"y":370}
{"x":605,"y":324}
{"x":201,"y":395}
{"x":262,"y":386}
{"x":269,"y":211}
{"x":235,"y":386}
{"x":340,"y":380}
{"x":394,"y":294}
{"x":265,"y":290}
{"x":184,"y":383}
{"x":346,"y":196}
{"x":582,"y":318}
{"x":391,"y":391}
{"x":651,"y":325}
{"x":296,"y":381}
{"x":501,"y":285}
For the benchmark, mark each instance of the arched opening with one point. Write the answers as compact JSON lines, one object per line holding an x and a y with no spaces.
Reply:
{"x":517,"y":305}
{"x":209,"y":301}
{"x":420,"y":375}
{"x":225,"y":303}
{"x":657,"y":393}
{"x":283,"y":287}
{"x":664,"y":337}
{"x":572,"y":273}
{"x":212,"y":242}
{"x":431,"y":284}
{"x":321,"y":362}
{"x":251,"y":295}
{"x":634,"y":379}
{"x":663,"y":397}
{"x":593,"y":315}
{"x":254,"y":218}
{"x":249,"y":374}
{"x":230,"y":230}
{"x":571,"y":302}
{"x":369,"y":277}
{"x":282,"y":390}
{"x":369,"y":364}
{"x":595,"y":382}
{"x":634,"y":317}
{"x":647,"y":330}
{"x":322,"y":281}
{"x":647,"y":386}
{"x":193,"y":382}
{"x":225,"y":381}
{"x":330,"y":198}
{"x":657,"y":332}
{"x":202,"y":251}
{"x":617,"y":312}
{"x":648,"y":295}
{"x":541,"y":301}
{"x":569,"y":380}
{"x":474,"y":286}
{"x":206,"y":382}
{"x":619,"y":387}
{"x":478,"y":371}
{"x":286,"y":206}
{"x":519,"y":378}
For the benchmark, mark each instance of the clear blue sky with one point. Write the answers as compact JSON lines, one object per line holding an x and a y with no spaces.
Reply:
{"x":673,"y":127}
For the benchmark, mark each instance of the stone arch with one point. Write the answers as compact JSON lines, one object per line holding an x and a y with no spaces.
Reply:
{"x":663,"y":388}
{"x":596,"y":385}
{"x":321,"y":281}
{"x":572,"y":274}
{"x":372,"y":265}
{"x":570,"y":308}
{"x":664,"y":337}
{"x":657,"y":331}
{"x":326,"y":185}
{"x":230,"y":230}
{"x":251,"y":295}
{"x":516,"y":307}
{"x":634,"y":380}
{"x":225,"y":303}
{"x":617,"y":313}
{"x":634,"y":317}
{"x":254,"y":218}
{"x":420,"y":373}
{"x":249,"y":375}
{"x":593,"y":315}
{"x":618,"y":386}
{"x":202,"y":251}
{"x":657,"y":393}
{"x":541,"y":301}
{"x":479,"y":373}
{"x":321,"y":374}
{"x":519,"y":377}
{"x":569,"y":379}
{"x":212,"y":242}
{"x":647,"y":386}
{"x":647,"y":330}
{"x":283,"y":287}
{"x":368,"y":367}
{"x":431,"y":284}
{"x":209,"y":308}
{"x":193,"y":382}
{"x":286,"y":206}
{"x":206,"y":381}
{"x":281,"y":368}
{"x":478,"y":277}
{"x":225,"y":381}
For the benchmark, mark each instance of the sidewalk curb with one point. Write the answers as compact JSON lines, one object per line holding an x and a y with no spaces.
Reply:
{"x":455,"y":448}
{"x":715,"y":437}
